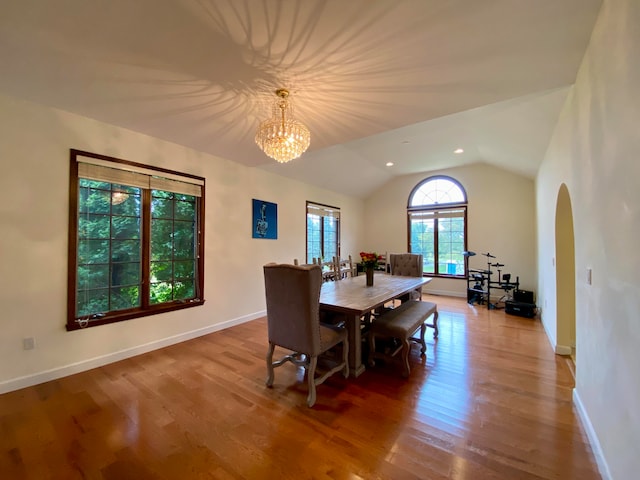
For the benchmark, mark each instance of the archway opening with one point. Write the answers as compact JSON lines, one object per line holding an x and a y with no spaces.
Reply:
{"x":565,"y":276}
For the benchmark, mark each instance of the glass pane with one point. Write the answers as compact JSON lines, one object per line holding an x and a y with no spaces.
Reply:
{"x":125,"y":251}
{"x":125,"y":227}
{"x":160,"y":292}
{"x":93,"y":197}
{"x":422,"y":241}
{"x":93,"y":276}
{"x":186,"y":209}
{"x":173,"y":246}
{"x":125,"y":297}
{"x":93,"y":251}
{"x":93,"y":301}
{"x":437,"y":191}
{"x":330,"y":230}
{"x":161,"y":208}
{"x":107,"y":211}
{"x":125,"y":274}
{"x":161,"y":271}
{"x":183,"y":240}
{"x":125,"y":201}
{"x":184,"y":290}
{"x":451,"y":246}
{"x":184,"y":270}
{"x":94,"y":226}
{"x":314,"y":248}
{"x":161,"y":239}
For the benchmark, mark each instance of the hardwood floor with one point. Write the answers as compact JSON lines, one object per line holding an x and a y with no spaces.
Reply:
{"x":491,"y":401}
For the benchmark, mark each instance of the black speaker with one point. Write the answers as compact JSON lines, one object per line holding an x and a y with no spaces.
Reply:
{"x":521,"y":309}
{"x":523,"y":296}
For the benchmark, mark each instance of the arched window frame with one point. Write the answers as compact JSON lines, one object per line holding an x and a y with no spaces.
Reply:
{"x":439,"y":260}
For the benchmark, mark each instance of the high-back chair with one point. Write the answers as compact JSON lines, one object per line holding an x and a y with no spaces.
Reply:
{"x":410,"y":265}
{"x":293,"y":317}
{"x":407,"y":265}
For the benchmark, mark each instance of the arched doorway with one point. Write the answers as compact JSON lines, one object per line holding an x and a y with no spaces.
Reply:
{"x":565,"y":276}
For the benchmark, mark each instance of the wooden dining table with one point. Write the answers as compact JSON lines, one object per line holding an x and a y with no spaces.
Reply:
{"x":351,"y":298}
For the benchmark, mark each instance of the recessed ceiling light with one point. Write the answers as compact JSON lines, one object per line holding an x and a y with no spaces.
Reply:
{"x":458,"y":150}
{"x":389,"y":164}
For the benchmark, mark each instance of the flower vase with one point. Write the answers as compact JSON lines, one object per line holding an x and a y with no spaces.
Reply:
{"x":369,"y":273}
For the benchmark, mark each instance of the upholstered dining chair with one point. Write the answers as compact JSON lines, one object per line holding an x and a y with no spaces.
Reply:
{"x":293,"y":318}
{"x":410,"y":265}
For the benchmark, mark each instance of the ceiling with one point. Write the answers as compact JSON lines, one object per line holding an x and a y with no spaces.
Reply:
{"x":406,"y":81}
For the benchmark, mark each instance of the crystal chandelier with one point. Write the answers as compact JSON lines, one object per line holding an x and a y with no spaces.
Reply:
{"x":282,"y":137}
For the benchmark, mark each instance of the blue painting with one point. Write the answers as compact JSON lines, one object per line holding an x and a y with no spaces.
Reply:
{"x":265,"y":219}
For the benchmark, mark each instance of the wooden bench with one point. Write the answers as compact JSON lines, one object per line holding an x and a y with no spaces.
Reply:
{"x":401,"y":323}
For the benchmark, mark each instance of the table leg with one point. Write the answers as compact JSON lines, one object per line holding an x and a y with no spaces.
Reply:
{"x":356,"y":367}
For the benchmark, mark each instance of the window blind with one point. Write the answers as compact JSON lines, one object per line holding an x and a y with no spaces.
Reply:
{"x":95,"y":169}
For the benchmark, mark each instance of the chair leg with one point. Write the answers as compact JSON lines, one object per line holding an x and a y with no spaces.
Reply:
{"x":406,"y":348}
{"x":345,"y":358}
{"x":269,"y":380}
{"x":423,"y":330}
{"x":435,"y":324}
{"x":311,"y":380}
{"x":372,"y":349}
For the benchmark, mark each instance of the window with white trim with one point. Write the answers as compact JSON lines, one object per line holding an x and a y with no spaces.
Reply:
{"x":437,"y":219}
{"x":135,"y":240}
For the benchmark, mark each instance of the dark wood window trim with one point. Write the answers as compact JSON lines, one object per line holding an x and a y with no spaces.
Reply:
{"x":322,"y":242}
{"x":439,"y":209}
{"x":145,"y":308}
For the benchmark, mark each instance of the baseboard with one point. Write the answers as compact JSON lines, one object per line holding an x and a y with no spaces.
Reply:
{"x":66,"y":370}
{"x":444,"y":293}
{"x":562,"y":350}
{"x":603,"y":468}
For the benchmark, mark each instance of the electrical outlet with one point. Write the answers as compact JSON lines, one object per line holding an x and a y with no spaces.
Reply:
{"x":28,"y":343}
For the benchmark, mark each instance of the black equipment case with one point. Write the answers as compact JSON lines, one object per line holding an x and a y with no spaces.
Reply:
{"x":521,"y":309}
{"x":523,"y":296}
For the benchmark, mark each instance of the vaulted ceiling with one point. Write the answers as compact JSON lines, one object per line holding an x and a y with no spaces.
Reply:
{"x":406,"y":81}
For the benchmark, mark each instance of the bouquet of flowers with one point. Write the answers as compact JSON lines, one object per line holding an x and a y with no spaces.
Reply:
{"x":370,"y":259}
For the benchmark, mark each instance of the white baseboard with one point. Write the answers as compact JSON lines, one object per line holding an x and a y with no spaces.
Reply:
{"x":66,"y":370}
{"x":444,"y":293}
{"x":603,"y":468}
{"x":563,"y":350}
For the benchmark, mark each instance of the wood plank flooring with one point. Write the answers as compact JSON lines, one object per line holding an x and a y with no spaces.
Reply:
{"x":491,"y":401}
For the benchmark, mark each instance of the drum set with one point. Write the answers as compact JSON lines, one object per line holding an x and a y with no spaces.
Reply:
{"x":480,"y":283}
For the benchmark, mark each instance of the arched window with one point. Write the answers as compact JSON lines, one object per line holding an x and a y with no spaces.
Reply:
{"x":437,"y":224}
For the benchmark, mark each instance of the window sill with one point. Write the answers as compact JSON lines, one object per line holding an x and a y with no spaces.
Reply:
{"x":80,"y":324}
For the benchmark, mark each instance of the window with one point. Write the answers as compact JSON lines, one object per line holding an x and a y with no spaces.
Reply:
{"x":437,"y":219}
{"x":135,"y":240}
{"x":323,"y":232}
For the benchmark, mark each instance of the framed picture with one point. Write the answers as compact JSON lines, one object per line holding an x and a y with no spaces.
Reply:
{"x":265,"y":219}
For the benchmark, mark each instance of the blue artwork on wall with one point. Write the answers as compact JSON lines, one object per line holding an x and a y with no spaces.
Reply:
{"x":265,"y":219}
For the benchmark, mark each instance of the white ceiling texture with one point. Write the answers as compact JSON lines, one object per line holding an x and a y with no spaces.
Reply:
{"x":406,"y":81}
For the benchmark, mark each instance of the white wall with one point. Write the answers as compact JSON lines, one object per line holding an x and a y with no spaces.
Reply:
{"x":595,"y":152}
{"x":34,"y":191}
{"x":501,"y":221}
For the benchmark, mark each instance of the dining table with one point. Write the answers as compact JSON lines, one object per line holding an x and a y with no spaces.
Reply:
{"x":351,"y":298}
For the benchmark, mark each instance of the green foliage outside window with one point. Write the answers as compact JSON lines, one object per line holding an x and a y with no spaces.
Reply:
{"x":108,"y":274}
{"x":109,"y":270}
